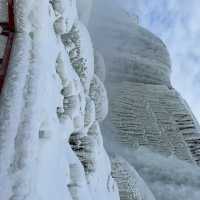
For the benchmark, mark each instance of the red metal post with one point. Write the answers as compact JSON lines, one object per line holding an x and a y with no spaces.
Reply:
{"x":11,"y":18}
{"x":8,"y":31}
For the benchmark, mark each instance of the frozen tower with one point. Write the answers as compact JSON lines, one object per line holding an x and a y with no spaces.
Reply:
{"x":145,"y":110}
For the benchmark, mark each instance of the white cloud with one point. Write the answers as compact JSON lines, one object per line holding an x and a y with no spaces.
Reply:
{"x":177,"y":23}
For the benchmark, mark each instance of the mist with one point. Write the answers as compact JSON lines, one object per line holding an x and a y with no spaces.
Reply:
{"x":177,"y":24}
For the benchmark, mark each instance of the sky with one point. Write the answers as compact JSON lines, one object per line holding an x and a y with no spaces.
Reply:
{"x":176,"y":22}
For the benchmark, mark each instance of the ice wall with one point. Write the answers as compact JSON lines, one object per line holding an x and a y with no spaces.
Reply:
{"x":50,"y":108}
{"x":145,"y":111}
{"x":54,"y":102}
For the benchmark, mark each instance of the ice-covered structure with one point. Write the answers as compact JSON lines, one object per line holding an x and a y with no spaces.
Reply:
{"x":50,"y":139}
{"x":145,"y":110}
{"x":54,"y":101}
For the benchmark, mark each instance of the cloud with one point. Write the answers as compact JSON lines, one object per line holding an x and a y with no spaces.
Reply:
{"x":177,"y":23}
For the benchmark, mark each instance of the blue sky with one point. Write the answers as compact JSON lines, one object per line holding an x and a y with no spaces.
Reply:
{"x":177,"y":22}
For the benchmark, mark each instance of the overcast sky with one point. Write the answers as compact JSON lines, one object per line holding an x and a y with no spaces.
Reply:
{"x":177,"y":22}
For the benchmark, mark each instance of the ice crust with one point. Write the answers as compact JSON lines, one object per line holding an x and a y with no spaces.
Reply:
{"x":45,"y":102}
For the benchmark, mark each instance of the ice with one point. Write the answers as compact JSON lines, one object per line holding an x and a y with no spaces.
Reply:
{"x":168,"y":178}
{"x":145,"y":110}
{"x":3,"y":11}
{"x":131,"y":185}
{"x":54,"y":102}
{"x":44,"y":102}
{"x":99,"y":66}
{"x":99,"y":95}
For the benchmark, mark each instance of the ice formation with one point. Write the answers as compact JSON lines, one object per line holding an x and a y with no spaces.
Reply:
{"x":50,"y":141}
{"x":54,"y":104}
{"x":145,"y":110}
{"x":131,"y":185}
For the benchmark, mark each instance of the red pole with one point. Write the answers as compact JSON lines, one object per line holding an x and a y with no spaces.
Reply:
{"x":11,"y":18}
{"x":8,"y":31}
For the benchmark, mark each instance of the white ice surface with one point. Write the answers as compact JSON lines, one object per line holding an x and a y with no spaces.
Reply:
{"x":36,"y":160}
